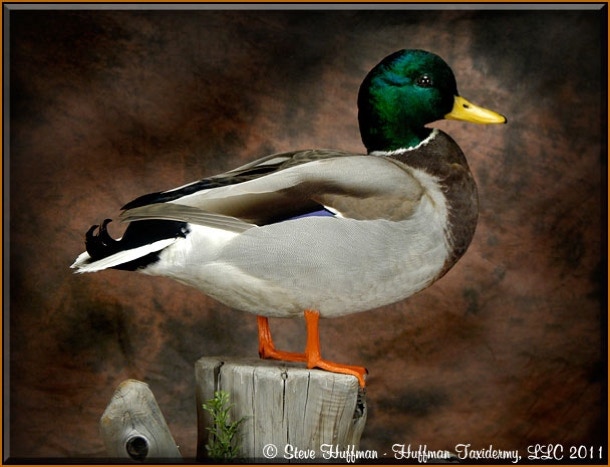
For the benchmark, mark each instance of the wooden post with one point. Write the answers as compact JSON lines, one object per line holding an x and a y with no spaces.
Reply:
{"x":291,"y":413}
{"x":133,"y":426}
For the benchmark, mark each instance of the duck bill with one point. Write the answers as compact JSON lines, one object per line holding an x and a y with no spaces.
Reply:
{"x":466,"y":111}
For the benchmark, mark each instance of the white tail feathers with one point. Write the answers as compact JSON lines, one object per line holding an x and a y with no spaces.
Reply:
{"x":84,"y":264}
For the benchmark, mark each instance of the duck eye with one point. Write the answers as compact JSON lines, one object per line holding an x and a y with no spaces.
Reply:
{"x":424,"y":81}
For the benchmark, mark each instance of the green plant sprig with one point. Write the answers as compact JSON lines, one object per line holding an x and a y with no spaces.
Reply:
{"x":222,"y":442}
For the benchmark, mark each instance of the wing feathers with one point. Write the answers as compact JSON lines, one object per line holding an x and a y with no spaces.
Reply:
{"x":359,"y":187}
{"x":283,"y":186}
{"x":182,"y":213}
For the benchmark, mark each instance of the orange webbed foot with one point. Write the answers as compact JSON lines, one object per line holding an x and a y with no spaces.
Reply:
{"x":312,"y":356}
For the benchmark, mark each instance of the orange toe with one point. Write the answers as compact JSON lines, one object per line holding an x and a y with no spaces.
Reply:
{"x":357,"y":371}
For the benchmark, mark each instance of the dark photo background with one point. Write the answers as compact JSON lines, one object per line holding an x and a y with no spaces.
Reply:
{"x":508,"y":349}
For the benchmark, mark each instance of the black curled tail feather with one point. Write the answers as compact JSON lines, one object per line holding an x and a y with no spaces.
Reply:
{"x":137,"y":234}
{"x":101,"y":245}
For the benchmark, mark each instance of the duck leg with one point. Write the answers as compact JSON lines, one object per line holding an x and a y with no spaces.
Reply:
{"x":312,"y":356}
{"x":266,"y":347}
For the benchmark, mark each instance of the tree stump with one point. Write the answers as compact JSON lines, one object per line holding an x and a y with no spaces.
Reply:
{"x":133,"y":426}
{"x":290,"y":412}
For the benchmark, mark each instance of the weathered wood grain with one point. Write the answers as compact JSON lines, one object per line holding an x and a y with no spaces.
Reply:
{"x":133,"y":426}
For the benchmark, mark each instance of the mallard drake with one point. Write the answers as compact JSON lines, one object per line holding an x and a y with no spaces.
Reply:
{"x":319,"y":233}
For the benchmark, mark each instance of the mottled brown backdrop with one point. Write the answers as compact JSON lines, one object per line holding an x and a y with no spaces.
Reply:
{"x":508,"y":349}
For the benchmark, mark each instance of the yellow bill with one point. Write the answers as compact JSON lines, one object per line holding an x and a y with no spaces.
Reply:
{"x":466,"y":111}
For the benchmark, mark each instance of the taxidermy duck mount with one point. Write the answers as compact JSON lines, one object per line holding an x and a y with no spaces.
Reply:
{"x":319,"y":233}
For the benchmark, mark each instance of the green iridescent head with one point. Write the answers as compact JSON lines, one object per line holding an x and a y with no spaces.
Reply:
{"x":405,"y":91}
